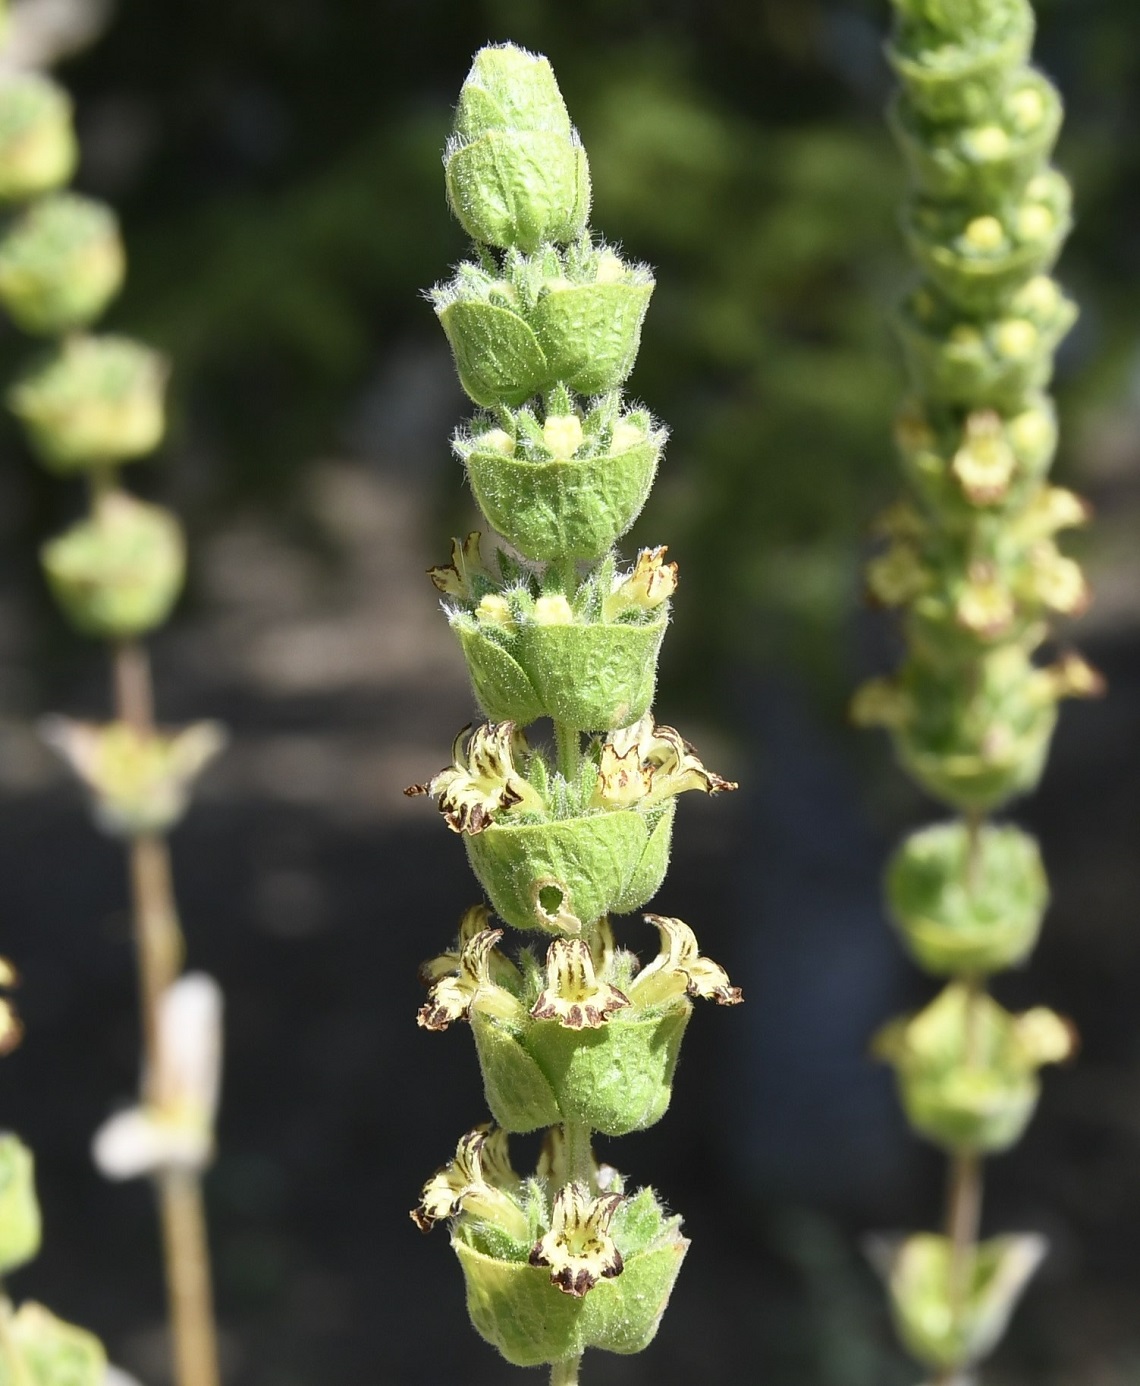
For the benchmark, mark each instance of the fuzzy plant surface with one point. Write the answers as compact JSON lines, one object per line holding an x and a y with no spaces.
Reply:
{"x":972,"y":565}
{"x":90,"y":403}
{"x":573,"y":1035}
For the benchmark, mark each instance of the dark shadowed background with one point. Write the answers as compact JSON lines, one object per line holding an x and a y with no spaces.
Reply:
{"x":276,"y":165}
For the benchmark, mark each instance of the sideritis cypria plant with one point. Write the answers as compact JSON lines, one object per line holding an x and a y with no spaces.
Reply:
{"x":973,"y":566}
{"x":573,"y":1036}
{"x":90,"y":404}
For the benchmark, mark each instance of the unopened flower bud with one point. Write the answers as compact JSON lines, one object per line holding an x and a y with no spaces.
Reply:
{"x":517,"y":174}
{"x":118,"y":573}
{"x":95,"y":400}
{"x":38,"y":151}
{"x":61,"y":263}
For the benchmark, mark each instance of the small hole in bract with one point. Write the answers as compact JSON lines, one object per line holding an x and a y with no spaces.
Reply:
{"x":550,"y":899}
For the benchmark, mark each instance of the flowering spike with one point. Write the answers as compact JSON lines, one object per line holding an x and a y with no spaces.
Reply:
{"x":544,"y":324}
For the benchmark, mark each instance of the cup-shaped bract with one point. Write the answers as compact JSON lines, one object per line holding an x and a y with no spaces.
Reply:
{"x":967,"y":1069}
{"x":946,"y":1326}
{"x":118,"y":573}
{"x":61,"y":263}
{"x":968,"y":908}
{"x":516,"y":172}
{"x":52,"y":1352}
{"x":542,"y":875}
{"x":575,"y":506}
{"x":616,"y":1078}
{"x":517,"y":1309}
{"x":38,"y":151}
{"x":94,"y":401}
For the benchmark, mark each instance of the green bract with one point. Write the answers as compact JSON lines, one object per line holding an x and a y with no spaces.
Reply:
{"x":592,"y":677}
{"x":959,"y":918}
{"x":117,"y":574}
{"x":93,"y":401}
{"x":61,"y":263}
{"x":554,"y":507}
{"x":615,"y":1079}
{"x":516,"y":1308}
{"x":967,"y":1069}
{"x":918,"y":1273}
{"x":38,"y":151}
{"x":603,"y":863}
{"x":571,"y":318}
{"x":19,"y":1209}
{"x":517,"y":174}
{"x":51,"y":1352}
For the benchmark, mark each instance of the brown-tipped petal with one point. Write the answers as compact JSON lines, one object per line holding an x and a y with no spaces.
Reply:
{"x":578,"y":1249}
{"x":454,"y":578}
{"x":452,"y":997}
{"x":573,"y":996}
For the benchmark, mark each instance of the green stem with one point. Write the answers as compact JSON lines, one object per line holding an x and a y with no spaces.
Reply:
{"x":975,"y":821}
{"x":565,"y":1373}
{"x":569,"y":744}
{"x":579,"y":1154}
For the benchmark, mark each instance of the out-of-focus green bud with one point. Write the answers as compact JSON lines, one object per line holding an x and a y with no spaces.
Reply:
{"x":38,"y":152}
{"x":61,"y":263}
{"x":517,"y":174}
{"x":94,"y":401}
{"x":972,"y":742}
{"x":118,"y":573}
{"x":573,"y":319}
{"x":983,"y":462}
{"x":596,"y":677}
{"x":573,"y":506}
{"x":959,"y":917}
{"x":51,"y":1352}
{"x":947,"y":1327}
{"x":955,"y":68}
{"x":981,"y":163}
{"x":977,"y":261}
{"x":987,"y":364}
{"x":19,"y":1210}
{"x":557,"y":876}
{"x":139,"y":782}
{"x":517,"y":1308}
{"x":967,"y":1068}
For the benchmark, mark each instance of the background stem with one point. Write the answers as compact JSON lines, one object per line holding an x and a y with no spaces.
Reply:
{"x":158,"y":949}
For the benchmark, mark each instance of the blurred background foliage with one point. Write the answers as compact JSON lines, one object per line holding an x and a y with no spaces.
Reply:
{"x":276,"y":166}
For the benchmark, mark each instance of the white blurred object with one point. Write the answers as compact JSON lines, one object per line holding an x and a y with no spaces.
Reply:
{"x":174,"y":1127}
{"x":41,"y":32}
{"x":115,"y":1376}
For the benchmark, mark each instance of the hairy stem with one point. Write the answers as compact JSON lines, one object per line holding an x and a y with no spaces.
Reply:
{"x":158,"y":949}
{"x":565,"y":1373}
{"x":569,"y":745}
{"x":579,"y":1154}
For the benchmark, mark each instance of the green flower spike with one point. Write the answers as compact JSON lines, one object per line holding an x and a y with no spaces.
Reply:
{"x":118,"y":573}
{"x":517,"y":174}
{"x":967,"y":1069}
{"x":91,"y":402}
{"x":38,"y":152}
{"x":139,"y":782}
{"x":61,"y":263}
{"x":544,"y":323}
